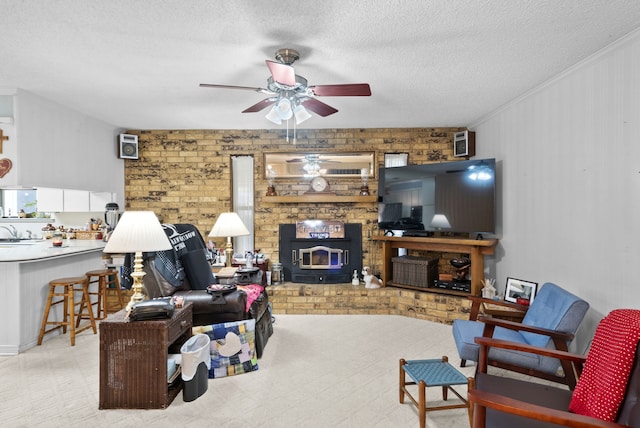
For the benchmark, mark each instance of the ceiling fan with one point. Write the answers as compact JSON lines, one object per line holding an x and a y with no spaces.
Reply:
{"x":289,"y":93}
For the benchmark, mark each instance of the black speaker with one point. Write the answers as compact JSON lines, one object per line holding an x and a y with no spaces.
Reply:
{"x":464,"y":144}
{"x":128,"y":146}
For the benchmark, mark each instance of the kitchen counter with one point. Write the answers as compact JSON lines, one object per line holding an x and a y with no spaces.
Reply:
{"x":26,"y":268}
{"x":36,"y":250}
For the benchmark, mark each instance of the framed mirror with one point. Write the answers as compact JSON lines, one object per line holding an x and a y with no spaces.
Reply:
{"x":336,"y":164}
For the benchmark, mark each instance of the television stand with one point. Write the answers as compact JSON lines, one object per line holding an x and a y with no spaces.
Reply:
{"x":476,"y":248}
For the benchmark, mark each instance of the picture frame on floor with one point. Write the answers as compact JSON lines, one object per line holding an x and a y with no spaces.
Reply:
{"x":518,"y":289}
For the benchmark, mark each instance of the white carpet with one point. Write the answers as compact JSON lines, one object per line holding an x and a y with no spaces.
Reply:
{"x":316,"y":371}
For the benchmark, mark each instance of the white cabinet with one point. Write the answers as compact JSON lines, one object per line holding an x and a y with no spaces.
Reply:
{"x":50,"y":200}
{"x":98,"y":200}
{"x":71,"y":200}
{"x":76,"y":200}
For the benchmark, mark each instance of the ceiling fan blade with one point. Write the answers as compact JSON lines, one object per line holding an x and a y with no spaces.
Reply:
{"x":260,"y":105}
{"x":245,"y":88}
{"x":318,"y":107}
{"x":347,"y":90}
{"x":282,"y":73}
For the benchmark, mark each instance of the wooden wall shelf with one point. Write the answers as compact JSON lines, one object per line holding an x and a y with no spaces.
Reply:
{"x":476,"y":248}
{"x":319,"y":198}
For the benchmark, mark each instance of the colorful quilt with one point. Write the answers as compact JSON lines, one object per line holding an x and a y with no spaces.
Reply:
{"x":233,"y":347}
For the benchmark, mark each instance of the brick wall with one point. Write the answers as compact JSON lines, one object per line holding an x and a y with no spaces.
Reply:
{"x":327,"y":299}
{"x":184,"y":176}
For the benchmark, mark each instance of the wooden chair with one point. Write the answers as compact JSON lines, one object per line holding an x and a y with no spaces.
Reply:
{"x":492,"y":308}
{"x":607,"y":393}
{"x":551,"y":321}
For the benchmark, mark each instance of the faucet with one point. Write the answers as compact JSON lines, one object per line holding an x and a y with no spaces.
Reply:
{"x":13,"y":232}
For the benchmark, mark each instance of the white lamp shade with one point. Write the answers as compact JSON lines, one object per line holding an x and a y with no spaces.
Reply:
{"x":440,"y":221}
{"x":301,"y":114}
{"x":283,"y":109}
{"x":228,"y":224}
{"x":138,"y":231}
{"x":273,"y":116}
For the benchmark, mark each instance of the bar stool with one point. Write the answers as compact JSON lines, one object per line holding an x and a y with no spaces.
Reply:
{"x":104,"y":278}
{"x":67,"y":295}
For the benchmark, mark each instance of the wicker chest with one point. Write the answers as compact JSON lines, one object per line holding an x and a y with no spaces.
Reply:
{"x":416,"y":271}
{"x":133,"y":360}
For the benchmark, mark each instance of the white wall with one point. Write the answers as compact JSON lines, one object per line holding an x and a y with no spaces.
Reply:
{"x":569,"y":172}
{"x":9,"y":146}
{"x":61,"y":147}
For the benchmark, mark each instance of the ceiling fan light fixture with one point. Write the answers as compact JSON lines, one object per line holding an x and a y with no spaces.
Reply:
{"x":273,"y":116}
{"x":283,"y":109}
{"x":288,"y":90}
{"x":301,"y":114}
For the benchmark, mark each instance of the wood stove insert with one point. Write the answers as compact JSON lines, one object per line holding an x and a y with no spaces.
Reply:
{"x":320,"y":260}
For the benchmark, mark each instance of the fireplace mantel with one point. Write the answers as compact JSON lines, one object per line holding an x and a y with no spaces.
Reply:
{"x":320,"y":198}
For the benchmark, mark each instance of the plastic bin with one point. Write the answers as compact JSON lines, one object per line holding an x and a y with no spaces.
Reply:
{"x":196,"y":362}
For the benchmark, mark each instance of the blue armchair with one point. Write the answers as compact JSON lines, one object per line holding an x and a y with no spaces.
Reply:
{"x":551,"y":322}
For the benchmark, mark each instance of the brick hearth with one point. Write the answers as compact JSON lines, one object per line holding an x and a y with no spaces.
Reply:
{"x":336,"y":299}
{"x":290,"y":298}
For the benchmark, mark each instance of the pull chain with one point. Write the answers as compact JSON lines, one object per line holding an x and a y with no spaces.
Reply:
{"x":295,"y":140}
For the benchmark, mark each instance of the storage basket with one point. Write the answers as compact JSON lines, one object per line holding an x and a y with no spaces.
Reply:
{"x":88,"y":234}
{"x":416,"y":271}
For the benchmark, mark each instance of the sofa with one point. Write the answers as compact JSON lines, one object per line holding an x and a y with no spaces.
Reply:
{"x":185,"y":272}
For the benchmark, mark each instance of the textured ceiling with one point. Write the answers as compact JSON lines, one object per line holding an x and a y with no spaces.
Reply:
{"x":137,"y":64}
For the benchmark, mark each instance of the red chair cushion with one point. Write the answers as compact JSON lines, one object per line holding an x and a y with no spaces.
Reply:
{"x":601,"y":387}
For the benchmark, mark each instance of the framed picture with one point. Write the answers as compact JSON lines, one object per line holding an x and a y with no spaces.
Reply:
{"x":519,"y":289}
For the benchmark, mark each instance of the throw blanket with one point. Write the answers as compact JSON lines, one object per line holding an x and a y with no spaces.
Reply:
{"x":184,"y":238}
{"x":253,"y":292}
{"x":173,"y":264}
{"x":188,"y":257}
{"x":601,"y":387}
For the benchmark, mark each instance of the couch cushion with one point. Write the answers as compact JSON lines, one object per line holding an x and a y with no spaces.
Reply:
{"x":465,"y":331}
{"x":156,"y":285}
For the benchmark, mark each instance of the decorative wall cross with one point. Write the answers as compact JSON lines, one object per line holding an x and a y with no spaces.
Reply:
{"x":2,"y":138}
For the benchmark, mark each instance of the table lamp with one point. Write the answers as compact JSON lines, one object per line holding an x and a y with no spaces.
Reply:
{"x":440,"y":221}
{"x":229,"y":225}
{"x":137,"y":232}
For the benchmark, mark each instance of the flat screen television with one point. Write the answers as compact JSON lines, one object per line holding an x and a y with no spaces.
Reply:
{"x":457,"y":197}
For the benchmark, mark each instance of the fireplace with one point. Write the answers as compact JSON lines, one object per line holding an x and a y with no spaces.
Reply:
{"x":320,"y":258}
